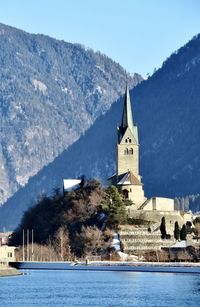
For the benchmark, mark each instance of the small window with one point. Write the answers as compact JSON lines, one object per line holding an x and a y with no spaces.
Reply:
{"x":130,"y":190}
{"x":126,"y":140}
{"x":126,"y":151}
{"x":125,"y":192}
{"x":131,"y":151}
{"x":129,"y":140}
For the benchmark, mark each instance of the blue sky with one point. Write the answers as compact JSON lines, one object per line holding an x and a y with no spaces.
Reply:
{"x":138,"y":34}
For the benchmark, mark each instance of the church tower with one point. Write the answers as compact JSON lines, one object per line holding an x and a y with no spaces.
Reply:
{"x":127,"y":177}
{"x":127,"y":147}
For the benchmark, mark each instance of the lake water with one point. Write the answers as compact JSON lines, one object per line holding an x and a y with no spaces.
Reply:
{"x":75,"y":288}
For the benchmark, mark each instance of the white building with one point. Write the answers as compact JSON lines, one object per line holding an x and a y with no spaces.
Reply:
{"x":7,"y":253}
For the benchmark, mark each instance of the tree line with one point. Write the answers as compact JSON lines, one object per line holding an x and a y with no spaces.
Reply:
{"x":76,"y":223}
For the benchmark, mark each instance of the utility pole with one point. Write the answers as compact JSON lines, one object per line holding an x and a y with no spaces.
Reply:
{"x":23,"y":246}
{"x":41,"y":251}
{"x":32,"y":256}
{"x":27,"y":245}
{"x":61,"y":244}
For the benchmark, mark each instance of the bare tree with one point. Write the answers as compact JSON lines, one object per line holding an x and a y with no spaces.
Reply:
{"x":92,"y":241}
{"x":61,"y":244}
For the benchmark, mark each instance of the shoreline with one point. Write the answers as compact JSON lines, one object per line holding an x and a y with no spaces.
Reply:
{"x":159,"y":267}
{"x":8,"y":271}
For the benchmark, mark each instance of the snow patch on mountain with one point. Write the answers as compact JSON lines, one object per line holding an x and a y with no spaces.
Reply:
{"x":40,"y":86}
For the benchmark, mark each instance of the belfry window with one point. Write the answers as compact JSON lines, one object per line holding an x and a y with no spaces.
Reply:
{"x":128,"y":140}
{"x":131,"y":151}
{"x":126,"y":151}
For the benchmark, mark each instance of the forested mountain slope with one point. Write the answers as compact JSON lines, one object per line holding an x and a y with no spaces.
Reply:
{"x":51,"y":92}
{"x":166,"y":108}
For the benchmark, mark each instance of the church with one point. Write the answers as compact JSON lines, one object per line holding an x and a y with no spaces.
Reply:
{"x":128,"y":180}
{"x":127,"y":177}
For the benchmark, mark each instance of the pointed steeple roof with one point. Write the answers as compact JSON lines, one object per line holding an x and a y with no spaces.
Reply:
{"x":127,"y":117}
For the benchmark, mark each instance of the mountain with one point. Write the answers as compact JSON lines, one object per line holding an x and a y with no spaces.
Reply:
{"x":166,"y":108}
{"x":51,"y":92}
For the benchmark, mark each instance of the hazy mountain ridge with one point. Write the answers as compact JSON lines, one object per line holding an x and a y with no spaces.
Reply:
{"x":51,"y":92}
{"x":170,"y":159}
{"x":166,"y":108}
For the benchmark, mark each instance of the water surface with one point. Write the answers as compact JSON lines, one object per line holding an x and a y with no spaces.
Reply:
{"x":82,"y":288}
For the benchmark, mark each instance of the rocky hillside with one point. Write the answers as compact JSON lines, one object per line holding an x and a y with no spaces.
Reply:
{"x":51,"y":92}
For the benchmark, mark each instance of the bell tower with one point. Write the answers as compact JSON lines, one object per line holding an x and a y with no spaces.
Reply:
{"x":127,"y":178}
{"x":127,"y":145}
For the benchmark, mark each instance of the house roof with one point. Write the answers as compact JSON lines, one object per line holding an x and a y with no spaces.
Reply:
{"x":125,"y":179}
{"x":70,"y":183}
{"x":128,"y":178}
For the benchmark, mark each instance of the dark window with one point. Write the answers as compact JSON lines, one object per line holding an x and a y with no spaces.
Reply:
{"x":126,"y":151}
{"x":128,"y":140}
{"x":125,"y":192}
{"x":131,"y":151}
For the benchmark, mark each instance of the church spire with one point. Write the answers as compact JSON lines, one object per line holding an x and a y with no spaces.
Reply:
{"x":127,"y":118}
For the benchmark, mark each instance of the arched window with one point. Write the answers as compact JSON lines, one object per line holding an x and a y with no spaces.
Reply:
{"x":126,"y":151}
{"x":128,"y":140}
{"x":131,"y":151}
{"x":125,"y":192}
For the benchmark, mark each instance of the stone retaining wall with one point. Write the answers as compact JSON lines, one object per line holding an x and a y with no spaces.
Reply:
{"x":135,"y":238}
{"x":155,"y":216}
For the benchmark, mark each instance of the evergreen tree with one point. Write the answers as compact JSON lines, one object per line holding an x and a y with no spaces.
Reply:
{"x":163,"y":228}
{"x":114,"y":206}
{"x":183,"y":233}
{"x":176,"y":231}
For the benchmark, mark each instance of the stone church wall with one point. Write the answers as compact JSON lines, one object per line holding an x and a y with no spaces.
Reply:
{"x":127,"y":162}
{"x":136,"y":193}
{"x":160,"y":204}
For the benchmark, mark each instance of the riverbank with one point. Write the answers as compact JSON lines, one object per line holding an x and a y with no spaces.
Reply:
{"x":112,"y":266}
{"x":7,"y":271}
